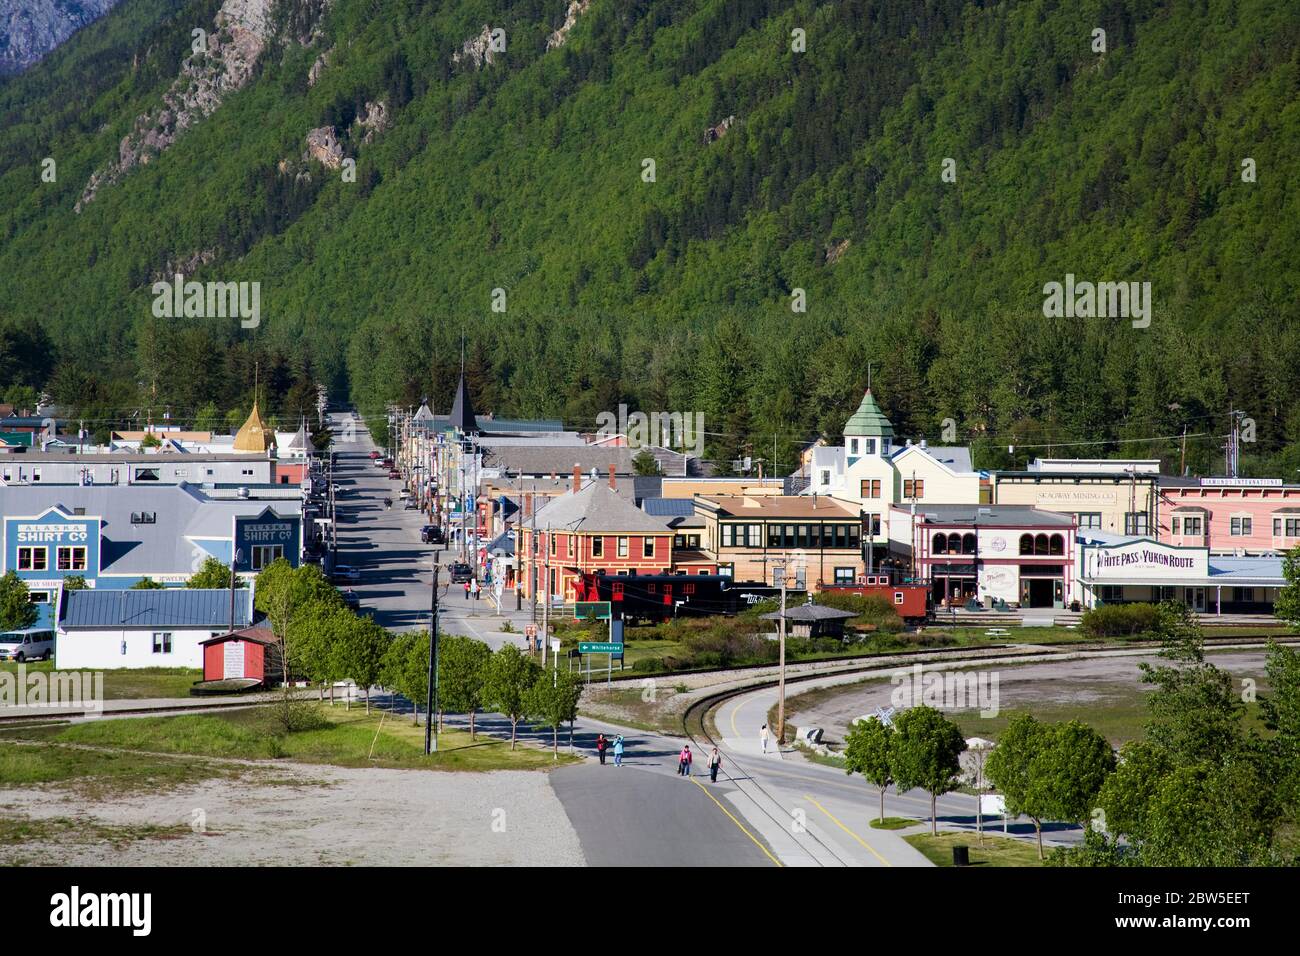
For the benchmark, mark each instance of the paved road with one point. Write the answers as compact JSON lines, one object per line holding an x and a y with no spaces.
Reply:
{"x":396,"y":567}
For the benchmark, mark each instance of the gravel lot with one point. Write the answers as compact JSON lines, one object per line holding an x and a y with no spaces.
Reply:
{"x":313,"y":815}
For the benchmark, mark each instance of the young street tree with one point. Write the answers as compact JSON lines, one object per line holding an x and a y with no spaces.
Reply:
{"x":462,"y":673}
{"x":212,"y":575}
{"x":1069,"y":772}
{"x":553,"y":701}
{"x":1195,"y":711}
{"x":866,"y":751}
{"x":925,"y":752}
{"x":363,"y":649}
{"x":283,"y":593}
{"x":1009,"y":769}
{"x":510,"y":676}
{"x":406,"y":669}
{"x":16,"y":608}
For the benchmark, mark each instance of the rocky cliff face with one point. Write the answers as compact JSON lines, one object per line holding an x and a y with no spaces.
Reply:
{"x":29,"y":29}
{"x":242,"y":31}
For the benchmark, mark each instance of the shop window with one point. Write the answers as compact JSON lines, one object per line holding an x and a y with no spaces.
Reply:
{"x":71,"y":558}
{"x":33,"y":559}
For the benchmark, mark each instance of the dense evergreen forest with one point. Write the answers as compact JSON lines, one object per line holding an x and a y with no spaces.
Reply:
{"x":829,"y":188}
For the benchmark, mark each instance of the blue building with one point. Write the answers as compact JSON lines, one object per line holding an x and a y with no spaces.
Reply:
{"x":115,"y":536}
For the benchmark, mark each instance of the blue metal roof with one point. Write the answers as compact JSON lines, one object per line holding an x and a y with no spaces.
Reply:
{"x":669,"y":507}
{"x":170,"y":607}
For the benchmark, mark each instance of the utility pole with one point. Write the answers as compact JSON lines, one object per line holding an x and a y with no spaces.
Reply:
{"x":546,"y":597}
{"x":780,"y":694}
{"x":519,"y":541}
{"x":431,"y":698}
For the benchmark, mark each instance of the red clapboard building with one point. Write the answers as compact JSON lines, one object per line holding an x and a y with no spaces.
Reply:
{"x":250,"y":653}
{"x":590,"y":528}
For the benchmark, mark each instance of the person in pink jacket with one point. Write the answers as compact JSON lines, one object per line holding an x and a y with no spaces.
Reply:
{"x":684,"y":761}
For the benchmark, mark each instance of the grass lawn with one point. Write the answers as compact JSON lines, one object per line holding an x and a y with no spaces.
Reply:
{"x":892,"y":823}
{"x":95,"y":773}
{"x":997,"y":850}
{"x":347,"y":738}
{"x":130,"y":683}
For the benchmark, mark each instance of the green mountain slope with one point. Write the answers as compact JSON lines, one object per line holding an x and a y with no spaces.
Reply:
{"x":526,"y":175}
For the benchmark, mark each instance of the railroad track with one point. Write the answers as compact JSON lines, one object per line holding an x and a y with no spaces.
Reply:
{"x":695,"y":727}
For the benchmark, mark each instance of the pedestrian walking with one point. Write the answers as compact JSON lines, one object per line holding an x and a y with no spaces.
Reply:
{"x":601,"y":744}
{"x":762,"y":735}
{"x":618,"y":751}
{"x":466,"y":590}
{"x":684,"y":761}
{"x":715,"y":761}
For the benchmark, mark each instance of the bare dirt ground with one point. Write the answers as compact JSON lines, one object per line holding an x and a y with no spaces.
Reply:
{"x":302,"y":815}
{"x":1089,"y":685}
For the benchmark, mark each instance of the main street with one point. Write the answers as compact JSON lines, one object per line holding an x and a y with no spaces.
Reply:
{"x":765,"y":809}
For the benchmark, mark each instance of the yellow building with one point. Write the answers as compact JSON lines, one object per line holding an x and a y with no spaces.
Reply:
{"x":1117,"y":496}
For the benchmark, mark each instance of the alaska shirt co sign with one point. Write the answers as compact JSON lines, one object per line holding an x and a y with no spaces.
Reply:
{"x":265,"y":538}
{"x":51,"y":545}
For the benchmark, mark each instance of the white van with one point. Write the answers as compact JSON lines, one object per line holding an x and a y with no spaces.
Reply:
{"x":28,"y":645}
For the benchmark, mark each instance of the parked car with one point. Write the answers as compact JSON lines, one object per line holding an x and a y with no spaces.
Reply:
{"x":432,"y":534}
{"x":460,"y":572}
{"x":351,"y":600}
{"x":412,"y":505}
{"x":374,"y":455}
{"x":26,"y":645}
{"x":403,"y":494}
{"x":380,"y":463}
{"x":345,"y":572}
{"x":395,"y":475}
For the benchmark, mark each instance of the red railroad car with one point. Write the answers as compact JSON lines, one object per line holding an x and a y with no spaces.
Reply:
{"x":911,"y":601}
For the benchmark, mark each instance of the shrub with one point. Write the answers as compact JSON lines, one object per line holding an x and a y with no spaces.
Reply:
{"x":1122,"y":620}
{"x":870,"y":609}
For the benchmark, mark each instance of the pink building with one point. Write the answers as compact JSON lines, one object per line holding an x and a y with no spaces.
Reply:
{"x":1229,"y":515}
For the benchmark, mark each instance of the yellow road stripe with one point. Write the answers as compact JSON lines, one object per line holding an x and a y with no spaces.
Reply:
{"x":758,"y":844}
{"x":834,"y":820}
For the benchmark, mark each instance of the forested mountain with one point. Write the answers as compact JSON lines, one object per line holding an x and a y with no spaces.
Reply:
{"x":783,"y":170}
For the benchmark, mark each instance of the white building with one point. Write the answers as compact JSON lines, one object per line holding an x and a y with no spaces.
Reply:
{"x":106,"y":630}
{"x":870,"y":470}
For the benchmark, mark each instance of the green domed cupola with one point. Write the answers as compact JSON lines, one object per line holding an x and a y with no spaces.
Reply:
{"x":867,"y":432}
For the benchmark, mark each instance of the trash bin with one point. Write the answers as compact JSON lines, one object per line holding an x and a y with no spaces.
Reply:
{"x":961,"y":856}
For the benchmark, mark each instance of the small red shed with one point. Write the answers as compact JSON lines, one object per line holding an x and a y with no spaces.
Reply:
{"x":250,"y":653}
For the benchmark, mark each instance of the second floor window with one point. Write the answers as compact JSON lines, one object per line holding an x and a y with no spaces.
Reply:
{"x":1240,"y":527}
{"x":648,"y":547}
{"x":870,"y":488}
{"x":598,"y":547}
{"x":913,"y":487}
